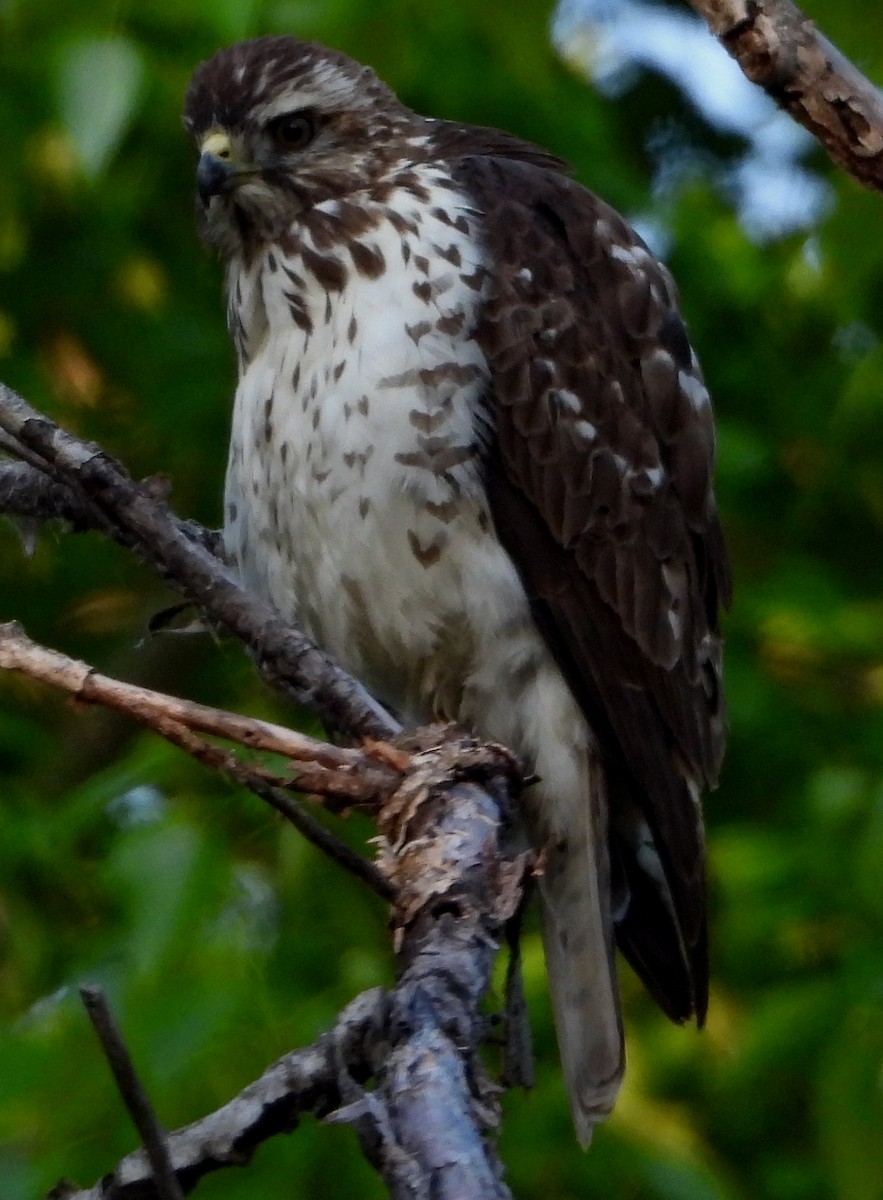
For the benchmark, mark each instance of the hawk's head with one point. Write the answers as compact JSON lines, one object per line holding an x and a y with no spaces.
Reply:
{"x":282,"y":124}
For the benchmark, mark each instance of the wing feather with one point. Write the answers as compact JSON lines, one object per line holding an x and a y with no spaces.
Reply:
{"x":601,"y":490}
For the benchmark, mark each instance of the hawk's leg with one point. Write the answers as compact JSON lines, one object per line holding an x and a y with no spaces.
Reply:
{"x":518,"y":1061}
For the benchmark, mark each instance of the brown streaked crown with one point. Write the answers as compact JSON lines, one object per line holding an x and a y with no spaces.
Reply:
{"x":228,"y":89}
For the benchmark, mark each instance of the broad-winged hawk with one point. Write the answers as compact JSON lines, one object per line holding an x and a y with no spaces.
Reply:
{"x":471,"y":456}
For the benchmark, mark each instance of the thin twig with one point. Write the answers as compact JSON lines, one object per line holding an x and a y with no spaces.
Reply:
{"x":330,"y":770}
{"x":133,"y":1094}
{"x":314,"y":831}
{"x":427,"y":1121}
{"x":30,"y":492}
{"x":12,"y":446}
{"x":305,"y":1080}
{"x":354,"y":775}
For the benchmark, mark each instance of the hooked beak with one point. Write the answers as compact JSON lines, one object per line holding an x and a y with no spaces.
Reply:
{"x":216,"y":165}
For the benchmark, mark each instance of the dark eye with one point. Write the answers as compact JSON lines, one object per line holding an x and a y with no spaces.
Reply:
{"x":293,"y":131}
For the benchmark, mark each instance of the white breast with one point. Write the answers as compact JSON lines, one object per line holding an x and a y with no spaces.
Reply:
{"x":354,"y":501}
{"x":354,"y":498}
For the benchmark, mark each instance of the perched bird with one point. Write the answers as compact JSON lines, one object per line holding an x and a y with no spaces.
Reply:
{"x":472,"y":457}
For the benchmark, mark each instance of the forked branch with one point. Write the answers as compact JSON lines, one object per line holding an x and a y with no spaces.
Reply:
{"x":442,"y":804}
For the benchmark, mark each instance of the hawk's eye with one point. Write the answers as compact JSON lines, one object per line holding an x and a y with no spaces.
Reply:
{"x":293,"y":131}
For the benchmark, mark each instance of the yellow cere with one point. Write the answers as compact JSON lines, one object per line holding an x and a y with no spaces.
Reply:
{"x":216,"y":143}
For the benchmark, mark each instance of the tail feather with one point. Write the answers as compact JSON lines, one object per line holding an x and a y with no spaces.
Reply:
{"x":577,"y":931}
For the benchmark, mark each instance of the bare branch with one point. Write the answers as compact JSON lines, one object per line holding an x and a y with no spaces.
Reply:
{"x":255,"y":780}
{"x":132,"y":1091}
{"x":347,"y":776}
{"x":304,"y":1081}
{"x":428,"y":1122}
{"x":780,"y":49}
{"x":26,"y":491}
{"x":10,"y":445}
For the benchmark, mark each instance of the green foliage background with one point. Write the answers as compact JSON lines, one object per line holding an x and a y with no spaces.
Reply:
{"x":222,"y":940}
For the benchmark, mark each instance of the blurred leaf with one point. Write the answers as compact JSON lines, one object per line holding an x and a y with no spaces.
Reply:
{"x":99,"y":81}
{"x":850,"y":1106}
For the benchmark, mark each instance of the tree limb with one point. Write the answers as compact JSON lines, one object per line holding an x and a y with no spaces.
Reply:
{"x":304,"y":1081}
{"x":780,"y":49}
{"x":345,"y":775}
{"x":27,"y":492}
{"x":370,"y":777}
{"x":427,"y":1124}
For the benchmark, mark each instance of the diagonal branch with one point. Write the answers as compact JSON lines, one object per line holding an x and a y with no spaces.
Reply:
{"x":132,"y":1091}
{"x":310,"y":1080}
{"x":427,"y":1124}
{"x":429,"y":1121}
{"x":346,"y":777}
{"x":780,"y":49}
{"x":26,"y":491}
{"x":9,"y":445}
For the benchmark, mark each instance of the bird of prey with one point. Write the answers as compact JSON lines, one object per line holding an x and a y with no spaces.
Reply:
{"x":472,"y":457}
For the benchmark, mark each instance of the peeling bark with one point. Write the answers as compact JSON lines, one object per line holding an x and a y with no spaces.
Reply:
{"x":780,"y":49}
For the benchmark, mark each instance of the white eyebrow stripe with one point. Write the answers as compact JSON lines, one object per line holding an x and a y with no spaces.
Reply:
{"x":289,"y":102}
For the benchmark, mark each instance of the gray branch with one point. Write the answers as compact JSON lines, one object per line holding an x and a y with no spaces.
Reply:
{"x":429,"y":1120}
{"x":428,"y":1123}
{"x":311,"y":1080}
{"x":29,"y":494}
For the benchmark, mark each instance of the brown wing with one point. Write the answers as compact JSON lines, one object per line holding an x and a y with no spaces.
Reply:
{"x":600,"y":484}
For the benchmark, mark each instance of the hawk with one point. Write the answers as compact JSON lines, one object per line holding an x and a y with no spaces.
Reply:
{"x":472,"y":457}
